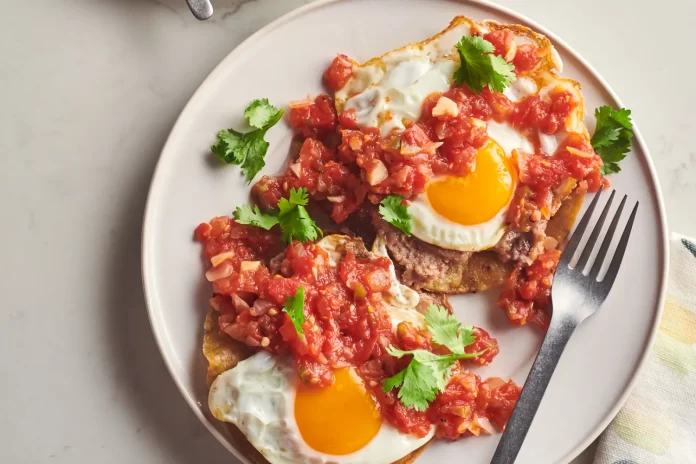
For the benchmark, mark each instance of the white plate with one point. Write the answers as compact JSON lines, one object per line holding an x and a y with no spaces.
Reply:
{"x":284,"y":61}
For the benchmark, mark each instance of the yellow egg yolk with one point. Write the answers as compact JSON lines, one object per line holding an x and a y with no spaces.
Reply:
{"x":339,"y":419}
{"x":481,"y":194}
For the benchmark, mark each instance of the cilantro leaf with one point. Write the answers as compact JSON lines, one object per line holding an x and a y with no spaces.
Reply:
{"x":428,"y":373}
{"x":447,"y":330}
{"x":502,"y":75}
{"x":394,"y":381}
{"x":623,"y":117}
{"x":417,"y":385}
{"x":261,"y":114}
{"x":245,"y":215}
{"x":298,"y":196}
{"x":291,"y":216}
{"x":294,"y":219}
{"x":606,"y":136}
{"x":480,"y":67}
{"x":294,"y":307}
{"x":612,"y":137}
{"x":298,"y":225}
{"x":395,"y":213}
{"x":228,"y":148}
{"x":440,"y":365}
{"x":255,"y":148}
{"x":248,"y":150}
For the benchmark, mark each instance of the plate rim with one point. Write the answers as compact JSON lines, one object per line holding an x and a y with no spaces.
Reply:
{"x":159,"y":331}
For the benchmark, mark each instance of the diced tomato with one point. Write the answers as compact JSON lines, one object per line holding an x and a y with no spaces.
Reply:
{"x":469,"y":103}
{"x":411,"y":338}
{"x":406,"y":420}
{"x":504,"y":43}
{"x":348,"y":119}
{"x":527,"y":292}
{"x":314,"y":119}
{"x":454,"y":408}
{"x":202,"y":232}
{"x":497,"y":399}
{"x":469,"y":406}
{"x":426,"y":119}
{"x":500,"y":105}
{"x":415,"y":135}
{"x":541,"y":172}
{"x":530,"y":112}
{"x":581,"y":161}
{"x":484,"y":343}
{"x":365,"y":276}
{"x":527,"y":57}
{"x":549,"y":117}
{"x":267,"y":192}
{"x":338,"y":73}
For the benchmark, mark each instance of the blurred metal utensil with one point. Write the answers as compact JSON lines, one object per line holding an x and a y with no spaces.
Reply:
{"x":201,"y":9}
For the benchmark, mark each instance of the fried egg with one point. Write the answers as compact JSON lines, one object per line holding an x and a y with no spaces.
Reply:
{"x":467,"y":213}
{"x":464,"y":213}
{"x":289,"y":422}
{"x":388,"y":92}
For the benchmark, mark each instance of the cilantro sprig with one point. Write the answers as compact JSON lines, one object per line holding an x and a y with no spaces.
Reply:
{"x":395,"y":213}
{"x":427,"y":373}
{"x":248,"y":150}
{"x":480,"y":67}
{"x":447,"y":330}
{"x":246,"y":215}
{"x":291,"y":216}
{"x":294,"y":307}
{"x":294,"y":219}
{"x":612,"y":137}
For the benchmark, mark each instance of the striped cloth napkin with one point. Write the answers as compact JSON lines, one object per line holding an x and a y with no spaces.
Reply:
{"x":658,"y":422}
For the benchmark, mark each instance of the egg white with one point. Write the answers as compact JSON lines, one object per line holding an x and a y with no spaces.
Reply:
{"x":399,"y":81}
{"x":508,"y":138}
{"x":258,"y":396}
{"x":520,"y":89}
{"x":399,"y":300}
{"x":437,"y":230}
{"x":548,"y":144}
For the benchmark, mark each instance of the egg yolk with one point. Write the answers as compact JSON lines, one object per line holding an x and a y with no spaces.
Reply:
{"x":339,"y":419}
{"x":481,"y":194}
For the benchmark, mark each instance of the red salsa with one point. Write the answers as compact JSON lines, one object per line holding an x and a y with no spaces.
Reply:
{"x":527,"y":292}
{"x":343,"y":167}
{"x":346,"y":322}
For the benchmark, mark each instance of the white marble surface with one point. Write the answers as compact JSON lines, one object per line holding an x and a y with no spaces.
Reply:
{"x":89,"y":89}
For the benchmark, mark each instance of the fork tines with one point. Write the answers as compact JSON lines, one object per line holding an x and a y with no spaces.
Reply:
{"x":586,"y":252}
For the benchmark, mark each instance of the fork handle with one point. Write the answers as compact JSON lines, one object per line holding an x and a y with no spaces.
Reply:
{"x":560,"y":330}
